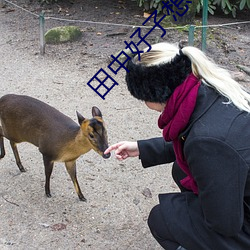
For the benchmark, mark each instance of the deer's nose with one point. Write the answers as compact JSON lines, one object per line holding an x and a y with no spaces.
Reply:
{"x":106,"y":156}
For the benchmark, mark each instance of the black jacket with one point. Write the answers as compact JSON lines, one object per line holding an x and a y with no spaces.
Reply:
{"x":216,"y":145}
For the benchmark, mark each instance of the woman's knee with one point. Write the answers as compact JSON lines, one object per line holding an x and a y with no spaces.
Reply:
{"x":159,"y":229}
{"x":153,"y":218}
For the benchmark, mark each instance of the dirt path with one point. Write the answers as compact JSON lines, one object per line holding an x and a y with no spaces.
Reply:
{"x":115,"y":214}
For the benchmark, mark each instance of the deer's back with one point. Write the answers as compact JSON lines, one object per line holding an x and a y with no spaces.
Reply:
{"x":24,"y":118}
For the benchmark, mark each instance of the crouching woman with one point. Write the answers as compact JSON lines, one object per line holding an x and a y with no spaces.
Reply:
{"x":205,"y":119}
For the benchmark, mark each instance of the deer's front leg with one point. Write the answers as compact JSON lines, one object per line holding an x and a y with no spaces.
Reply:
{"x":71,"y":168}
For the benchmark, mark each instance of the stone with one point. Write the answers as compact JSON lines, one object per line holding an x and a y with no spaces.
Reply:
{"x":63,"y":34}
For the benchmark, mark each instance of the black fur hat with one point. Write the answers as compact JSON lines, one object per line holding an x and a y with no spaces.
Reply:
{"x":156,"y":83}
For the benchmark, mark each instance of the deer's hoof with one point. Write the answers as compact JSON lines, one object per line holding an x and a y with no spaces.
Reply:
{"x":82,"y":198}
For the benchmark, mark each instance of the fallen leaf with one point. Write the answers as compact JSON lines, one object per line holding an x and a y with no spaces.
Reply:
{"x":146,"y":15}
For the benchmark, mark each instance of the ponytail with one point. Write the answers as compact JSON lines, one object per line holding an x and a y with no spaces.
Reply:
{"x":218,"y":78}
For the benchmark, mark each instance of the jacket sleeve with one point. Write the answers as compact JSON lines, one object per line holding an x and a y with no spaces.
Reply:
{"x":155,"y":151}
{"x":220,"y":173}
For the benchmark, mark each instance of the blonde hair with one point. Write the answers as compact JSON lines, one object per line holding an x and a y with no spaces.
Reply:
{"x":203,"y":68}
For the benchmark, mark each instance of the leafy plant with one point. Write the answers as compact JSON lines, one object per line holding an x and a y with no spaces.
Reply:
{"x":170,"y":9}
{"x":244,"y":3}
{"x":150,"y":4}
{"x":47,"y":1}
{"x":211,"y":7}
{"x":227,"y":6}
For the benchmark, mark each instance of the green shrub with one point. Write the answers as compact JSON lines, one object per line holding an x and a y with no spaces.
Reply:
{"x":211,"y":7}
{"x":188,"y":17}
{"x":227,"y":6}
{"x":47,"y":1}
{"x":150,"y":4}
{"x":244,"y":4}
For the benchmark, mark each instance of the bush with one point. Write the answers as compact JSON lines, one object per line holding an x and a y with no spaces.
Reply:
{"x":150,"y":4}
{"x":188,"y":17}
{"x":47,"y":1}
{"x":227,"y":6}
{"x":230,"y":7}
{"x":211,"y":7}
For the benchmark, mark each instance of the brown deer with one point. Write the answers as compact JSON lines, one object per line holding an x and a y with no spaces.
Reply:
{"x":59,"y":139}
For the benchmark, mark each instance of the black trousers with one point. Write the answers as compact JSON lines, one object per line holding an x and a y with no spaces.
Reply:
{"x":156,"y":222}
{"x":179,"y":221}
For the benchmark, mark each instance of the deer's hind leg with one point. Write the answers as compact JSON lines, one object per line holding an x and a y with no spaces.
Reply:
{"x":71,"y":168}
{"x":48,"y":164}
{"x":1,"y":144}
{"x":18,"y":161}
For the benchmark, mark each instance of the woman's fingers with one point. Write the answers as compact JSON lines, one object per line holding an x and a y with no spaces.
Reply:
{"x":121,"y":148}
{"x":124,"y":149}
{"x":113,"y":147}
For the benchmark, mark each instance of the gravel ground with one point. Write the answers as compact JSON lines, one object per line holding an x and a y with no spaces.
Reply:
{"x":119,"y":195}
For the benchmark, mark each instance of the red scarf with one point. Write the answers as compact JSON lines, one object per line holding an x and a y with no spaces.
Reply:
{"x":175,"y":118}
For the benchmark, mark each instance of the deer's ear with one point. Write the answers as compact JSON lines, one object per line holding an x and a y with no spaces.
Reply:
{"x":96,"y":112}
{"x":80,"y":118}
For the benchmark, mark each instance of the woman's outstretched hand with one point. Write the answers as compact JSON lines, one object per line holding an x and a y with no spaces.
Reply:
{"x":124,"y":150}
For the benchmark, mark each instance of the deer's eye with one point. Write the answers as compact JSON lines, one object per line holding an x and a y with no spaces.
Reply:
{"x":91,"y":136}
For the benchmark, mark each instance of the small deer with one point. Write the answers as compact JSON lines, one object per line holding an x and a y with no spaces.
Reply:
{"x":59,"y":139}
